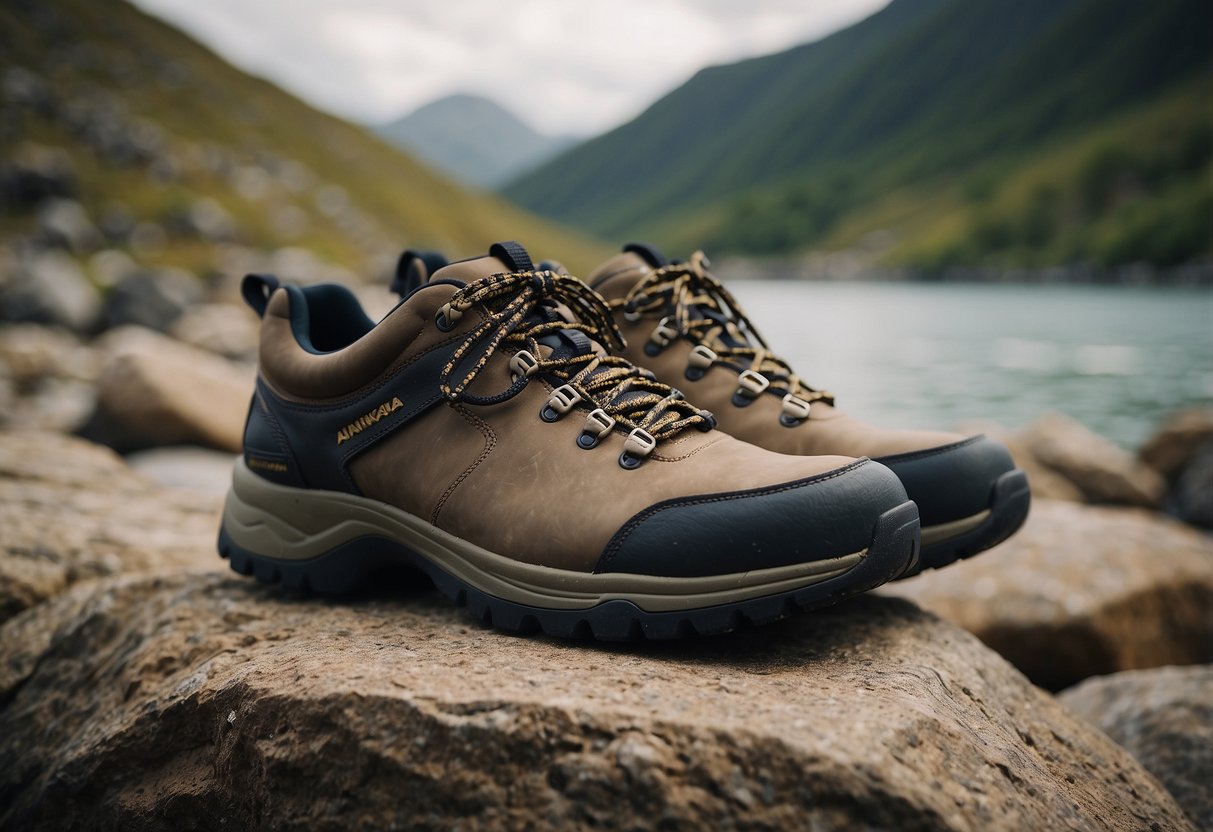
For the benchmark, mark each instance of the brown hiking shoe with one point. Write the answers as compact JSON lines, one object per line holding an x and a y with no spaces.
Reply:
{"x":682,"y":324}
{"x":481,"y":433}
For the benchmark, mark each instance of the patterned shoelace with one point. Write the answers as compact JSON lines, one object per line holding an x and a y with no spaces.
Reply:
{"x":696,"y":306}
{"x":515,"y":315}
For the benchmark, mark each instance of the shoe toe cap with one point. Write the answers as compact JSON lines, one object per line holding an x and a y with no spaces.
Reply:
{"x":954,"y":481}
{"x":816,"y":518}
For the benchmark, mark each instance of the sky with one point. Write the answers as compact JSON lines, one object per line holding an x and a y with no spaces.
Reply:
{"x":564,"y":66}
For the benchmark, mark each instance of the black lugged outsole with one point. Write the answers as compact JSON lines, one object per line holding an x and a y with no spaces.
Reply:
{"x":1010,"y":501}
{"x":894,"y":548}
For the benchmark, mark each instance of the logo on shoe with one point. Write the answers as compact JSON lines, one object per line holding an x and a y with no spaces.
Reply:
{"x":363,"y":422}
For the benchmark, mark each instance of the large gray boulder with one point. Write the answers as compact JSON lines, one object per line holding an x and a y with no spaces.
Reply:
{"x":49,"y":288}
{"x":203,"y":700}
{"x":1102,"y":471}
{"x":156,"y":391}
{"x":1164,"y":718}
{"x":1083,"y":591}
{"x":71,"y":510}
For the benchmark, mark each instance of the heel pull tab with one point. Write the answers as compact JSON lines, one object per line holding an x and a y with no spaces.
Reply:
{"x":414,"y":268}
{"x":513,"y":255}
{"x":256,"y":290}
{"x":648,"y":253}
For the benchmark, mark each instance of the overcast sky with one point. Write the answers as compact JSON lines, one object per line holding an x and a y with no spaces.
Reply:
{"x":562,"y":65}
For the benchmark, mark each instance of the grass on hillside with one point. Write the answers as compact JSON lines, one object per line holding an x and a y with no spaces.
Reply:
{"x":1136,"y":187}
{"x":202,"y":103}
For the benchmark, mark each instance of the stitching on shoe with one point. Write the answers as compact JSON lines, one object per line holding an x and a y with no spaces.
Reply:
{"x":688,"y":454}
{"x":620,"y":537}
{"x":490,"y":444}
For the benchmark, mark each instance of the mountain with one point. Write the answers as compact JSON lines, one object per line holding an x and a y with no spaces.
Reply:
{"x":140,"y":139}
{"x":473,"y":139}
{"x":921,"y":122}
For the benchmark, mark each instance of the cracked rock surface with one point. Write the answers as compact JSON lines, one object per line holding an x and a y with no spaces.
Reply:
{"x":193,"y":699}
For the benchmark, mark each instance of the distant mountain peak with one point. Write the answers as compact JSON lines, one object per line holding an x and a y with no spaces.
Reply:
{"x":474,"y":139}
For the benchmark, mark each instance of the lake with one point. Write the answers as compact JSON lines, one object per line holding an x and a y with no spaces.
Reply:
{"x":1118,"y":359}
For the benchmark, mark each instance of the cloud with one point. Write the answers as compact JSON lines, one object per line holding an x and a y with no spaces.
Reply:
{"x":566,"y":67}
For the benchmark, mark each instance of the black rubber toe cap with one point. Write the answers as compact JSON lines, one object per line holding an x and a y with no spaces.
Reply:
{"x":952,"y":482}
{"x":817,"y":518}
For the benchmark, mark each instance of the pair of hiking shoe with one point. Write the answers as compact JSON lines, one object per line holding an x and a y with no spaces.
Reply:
{"x":518,"y":436}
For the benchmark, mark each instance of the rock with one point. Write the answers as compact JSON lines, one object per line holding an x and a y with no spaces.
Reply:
{"x":205,"y":219}
{"x":227,"y":329}
{"x":110,"y":267}
{"x":1178,"y":439}
{"x":195,"y":469}
{"x":33,"y":352}
{"x":1164,"y":718}
{"x":20,"y":86}
{"x":49,"y":287}
{"x":64,"y":223}
{"x":1082,"y":591}
{"x":48,"y":376}
{"x":71,"y":510}
{"x":152,"y":298}
{"x":147,"y":238}
{"x":204,"y":700}
{"x":1192,"y":499}
{"x":1046,"y":483}
{"x":35,"y":172}
{"x":1102,"y":471}
{"x":157,"y":391}
{"x":117,"y":222}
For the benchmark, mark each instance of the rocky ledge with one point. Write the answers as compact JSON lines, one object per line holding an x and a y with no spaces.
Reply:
{"x":1164,"y":717}
{"x":200,"y":700}
{"x":71,"y":510}
{"x":142,"y":685}
{"x":1083,"y":591}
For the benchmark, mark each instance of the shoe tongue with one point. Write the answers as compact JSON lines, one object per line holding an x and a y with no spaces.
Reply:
{"x":616,"y":277}
{"x":507,"y":256}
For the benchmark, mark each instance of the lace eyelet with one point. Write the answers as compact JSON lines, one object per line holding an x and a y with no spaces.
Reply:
{"x":694,"y":373}
{"x":660,"y":338}
{"x":443,"y":323}
{"x":750,"y":385}
{"x":636,"y":448}
{"x":795,"y":411}
{"x":522,"y":365}
{"x":563,"y":399}
{"x":597,"y":425}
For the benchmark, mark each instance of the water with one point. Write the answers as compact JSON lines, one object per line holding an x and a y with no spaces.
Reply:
{"x":1118,"y":359}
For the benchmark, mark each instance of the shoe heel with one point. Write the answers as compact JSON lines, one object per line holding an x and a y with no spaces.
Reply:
{"x":291,"y":536}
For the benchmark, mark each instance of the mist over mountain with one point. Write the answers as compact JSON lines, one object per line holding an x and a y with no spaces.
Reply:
{"x":473,"y":139}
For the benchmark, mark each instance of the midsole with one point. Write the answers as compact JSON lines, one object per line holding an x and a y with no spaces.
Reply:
{"x":943,"y":531}
{"x":294,"y":525}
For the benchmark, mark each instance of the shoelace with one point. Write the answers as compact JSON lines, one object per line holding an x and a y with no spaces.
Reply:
{"x":620,"y":391}
{"x":684,"y":287}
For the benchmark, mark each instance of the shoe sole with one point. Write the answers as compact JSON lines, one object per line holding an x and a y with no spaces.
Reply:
{"x":330,"y":542}
{"x":945,"y":543}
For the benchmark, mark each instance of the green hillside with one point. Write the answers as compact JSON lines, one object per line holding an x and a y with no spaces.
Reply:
{"x":928,"y":120}
{"x":148,"y":129}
